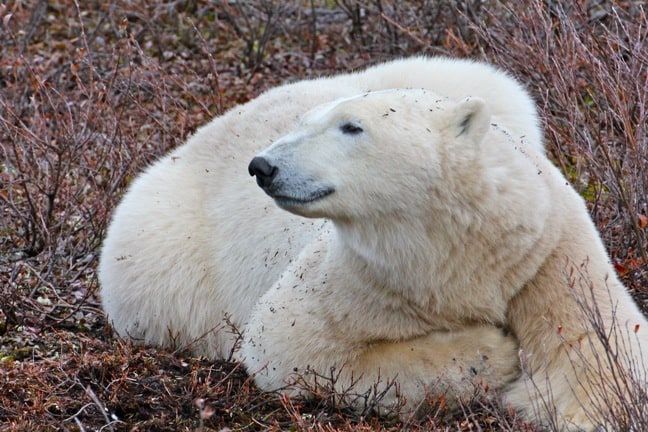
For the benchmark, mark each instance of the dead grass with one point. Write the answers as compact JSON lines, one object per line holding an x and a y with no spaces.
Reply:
{"x":91,"y":92}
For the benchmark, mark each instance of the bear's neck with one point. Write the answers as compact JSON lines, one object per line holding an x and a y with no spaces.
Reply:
{"x":431,"y":260}
{"x":397,"y":257}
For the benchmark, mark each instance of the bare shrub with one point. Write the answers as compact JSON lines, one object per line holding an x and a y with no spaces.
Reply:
{"x":257,"y":23}
{"x":61,"y":142}
{"x":615,"y":375}
{"x":71,"y":138}
{"x":623,"y":396}
{"x":387,"y":29}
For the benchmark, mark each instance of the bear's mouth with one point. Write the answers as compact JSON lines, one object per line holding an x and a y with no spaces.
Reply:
{"x":286,"y":201}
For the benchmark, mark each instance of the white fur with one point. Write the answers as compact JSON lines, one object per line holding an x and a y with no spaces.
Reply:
{"x":446,"y":222}
{"x":442,"y":221}
{"x":194,"y":239}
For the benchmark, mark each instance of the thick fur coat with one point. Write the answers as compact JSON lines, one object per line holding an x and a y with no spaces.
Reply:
{"x":415,"y":219}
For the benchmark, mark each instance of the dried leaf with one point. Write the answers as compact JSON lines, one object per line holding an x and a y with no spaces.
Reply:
{"x":621,"y":270}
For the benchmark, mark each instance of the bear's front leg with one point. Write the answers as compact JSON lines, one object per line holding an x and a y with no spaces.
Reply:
{"x":583,"y":348}
{"x":460,"y":364}
{"x":287,"y":344}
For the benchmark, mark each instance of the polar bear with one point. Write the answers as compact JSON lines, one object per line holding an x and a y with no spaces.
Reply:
{"x":194,"y":245}
{"x":441,"y":220}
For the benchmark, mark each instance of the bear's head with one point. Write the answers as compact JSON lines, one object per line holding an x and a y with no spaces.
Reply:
{"x":424,"y":190}
{"x":379,"y":153}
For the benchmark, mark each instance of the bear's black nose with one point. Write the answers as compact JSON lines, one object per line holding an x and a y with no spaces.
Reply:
{"x":263,"y":170}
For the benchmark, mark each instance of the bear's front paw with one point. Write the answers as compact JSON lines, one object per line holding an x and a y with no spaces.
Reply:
{"x":496,"y":363}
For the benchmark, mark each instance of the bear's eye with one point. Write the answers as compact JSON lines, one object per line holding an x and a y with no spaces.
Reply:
{"x":351,"y":129}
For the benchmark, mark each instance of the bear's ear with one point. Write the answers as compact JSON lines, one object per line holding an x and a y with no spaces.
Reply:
{"x":470,"y":118}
